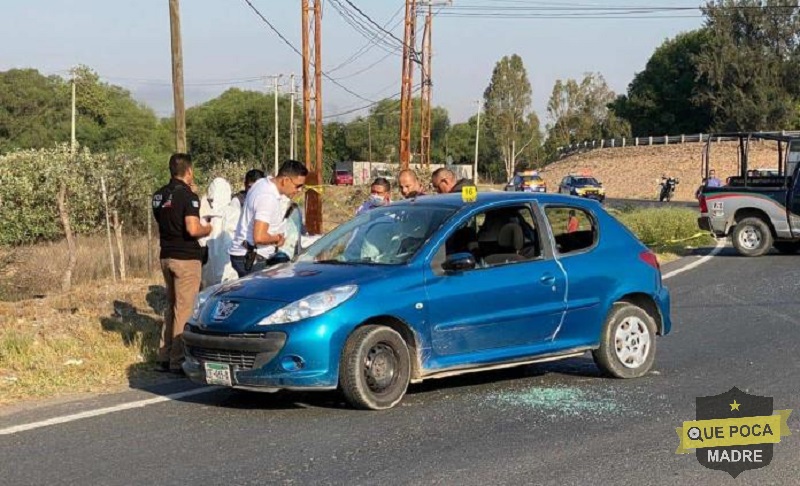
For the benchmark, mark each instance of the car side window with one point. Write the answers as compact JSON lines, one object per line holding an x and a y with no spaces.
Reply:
{"x":496,"y":237}
{"x":574,"y":229}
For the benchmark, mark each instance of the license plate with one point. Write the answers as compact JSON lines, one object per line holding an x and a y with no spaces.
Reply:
{"x":218,"y":374}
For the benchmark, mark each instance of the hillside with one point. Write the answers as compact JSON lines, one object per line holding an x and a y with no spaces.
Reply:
{"x":634,"y":172}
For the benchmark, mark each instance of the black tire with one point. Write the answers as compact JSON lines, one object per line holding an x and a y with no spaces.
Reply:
{"x":639,"y":326}
{"x":752,"y":237}
{"x":370,"y":388}
{"x":787,"y":247}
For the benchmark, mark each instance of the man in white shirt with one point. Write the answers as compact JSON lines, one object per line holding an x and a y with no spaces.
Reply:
{"x":261,"y":225}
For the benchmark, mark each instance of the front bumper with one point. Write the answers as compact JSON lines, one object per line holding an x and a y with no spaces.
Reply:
{"x":267,"y":361}
{"x":596,"y":196}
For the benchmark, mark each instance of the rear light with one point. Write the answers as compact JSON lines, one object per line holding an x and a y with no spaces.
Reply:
{"x":650,"y":258}
{"x":703,"y":205}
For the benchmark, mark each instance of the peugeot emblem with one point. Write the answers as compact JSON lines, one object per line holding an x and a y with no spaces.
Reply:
{"x":224,"y":309}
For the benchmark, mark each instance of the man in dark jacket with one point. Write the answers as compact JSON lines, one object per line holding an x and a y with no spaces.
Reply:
{"x":444,"y":181}
{"x":177,"y":210}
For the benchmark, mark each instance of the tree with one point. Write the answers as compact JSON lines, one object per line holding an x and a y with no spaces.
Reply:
{"x":507,"y":105}
{"x":580,"y":111}
{"x":663,"y":99}
{"x":35,"y":113}
{"x":751,"y":64}
{"x":240,"y":124}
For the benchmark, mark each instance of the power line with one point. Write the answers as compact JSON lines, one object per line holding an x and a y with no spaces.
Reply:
{"x":288,"y":43}
{"x":359,"y":108}
{"x":370,"y":44}
{"x":369,"y":19}
{"x":362,"y":28}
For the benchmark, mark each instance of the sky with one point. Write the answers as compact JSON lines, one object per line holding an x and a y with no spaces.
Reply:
{"x":225,"y":44}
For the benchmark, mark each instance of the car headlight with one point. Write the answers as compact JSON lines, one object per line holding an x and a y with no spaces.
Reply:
{"x":310,"y":306}
{"x":201,"y":299}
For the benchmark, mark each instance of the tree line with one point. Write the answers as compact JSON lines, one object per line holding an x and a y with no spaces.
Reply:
{"x":739,"y":71}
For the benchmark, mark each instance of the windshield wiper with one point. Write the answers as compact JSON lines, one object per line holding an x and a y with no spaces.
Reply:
{"x":333,"y":261}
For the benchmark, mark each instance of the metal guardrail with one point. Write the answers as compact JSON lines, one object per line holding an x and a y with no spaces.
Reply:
{"x":588,"y":145}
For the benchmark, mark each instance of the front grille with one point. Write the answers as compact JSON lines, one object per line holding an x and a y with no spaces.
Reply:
{"x":241,"y":359}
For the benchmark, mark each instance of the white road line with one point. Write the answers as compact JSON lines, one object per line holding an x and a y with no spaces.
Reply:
{"x":103,"y":411}
{"x":197,"y":391}
{"x":714,"y":252}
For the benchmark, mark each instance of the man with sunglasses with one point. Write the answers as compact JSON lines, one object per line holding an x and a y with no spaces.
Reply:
{"x":260,"y":230}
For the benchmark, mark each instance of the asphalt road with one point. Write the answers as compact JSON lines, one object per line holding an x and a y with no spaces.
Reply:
{"x":736,"y":324}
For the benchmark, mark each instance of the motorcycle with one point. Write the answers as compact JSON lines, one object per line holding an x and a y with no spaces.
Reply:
{"x":667,"y":188}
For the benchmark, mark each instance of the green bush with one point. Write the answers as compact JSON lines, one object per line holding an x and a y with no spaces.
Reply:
{"x":30,"y":181}
{"x":663,"y":226}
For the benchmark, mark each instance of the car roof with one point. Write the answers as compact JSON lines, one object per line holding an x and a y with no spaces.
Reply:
{"x":489,"y":198}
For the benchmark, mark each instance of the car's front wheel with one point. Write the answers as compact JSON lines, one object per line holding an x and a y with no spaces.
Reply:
{"x":752,"y":237}
{"x":375,"y":368}
{"x":628,"y":343}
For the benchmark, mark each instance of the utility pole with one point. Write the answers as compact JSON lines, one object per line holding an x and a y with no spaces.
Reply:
{"x":425,"y":105}
{"x":291,"y":120}
{"x":73,"y":141}
{"x":276,"y":78}
{"x":177,"y":76}
{"x":409,"y":57}
{"x":313,"y":202}
{"x":477,"y":138}
{"x":369,"y":141}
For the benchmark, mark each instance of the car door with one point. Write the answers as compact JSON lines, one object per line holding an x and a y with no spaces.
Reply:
{"x":590,"y":273}
{"x":495,"y":305}
{"x":564,"y":188}
{"x":794,"y":205}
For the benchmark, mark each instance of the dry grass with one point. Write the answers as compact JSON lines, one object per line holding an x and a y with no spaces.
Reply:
{"x":92,"y":339}
{"x":634,"y":172}
{"x":36,"y":270}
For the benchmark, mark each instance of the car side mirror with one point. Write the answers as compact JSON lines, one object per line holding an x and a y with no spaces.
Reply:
{"x":459,"y":262}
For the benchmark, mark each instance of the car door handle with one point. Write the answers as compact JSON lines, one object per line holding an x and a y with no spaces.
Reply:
{"x":547,"y":279}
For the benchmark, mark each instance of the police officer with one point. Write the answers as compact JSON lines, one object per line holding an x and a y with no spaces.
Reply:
{"x":177,"y":210}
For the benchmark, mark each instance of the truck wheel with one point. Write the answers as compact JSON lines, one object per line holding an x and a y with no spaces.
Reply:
{"x":787,"y":247}
{"x":752,"y":237}
{"x":375,"y":368}
{"x":628,"y":343}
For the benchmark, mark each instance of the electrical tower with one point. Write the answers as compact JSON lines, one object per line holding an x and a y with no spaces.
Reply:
{"x":409,"y":58}
{"x":313,"y":200}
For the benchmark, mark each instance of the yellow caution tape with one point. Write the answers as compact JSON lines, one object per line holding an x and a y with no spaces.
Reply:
{"x":696,"y":235}
{"x":317,"y":189}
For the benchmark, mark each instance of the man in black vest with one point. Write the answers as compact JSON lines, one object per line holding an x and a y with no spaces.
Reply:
{"x":177,"y":210}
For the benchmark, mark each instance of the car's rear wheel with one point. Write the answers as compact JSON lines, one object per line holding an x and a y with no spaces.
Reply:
{"x":752,"y":237}
{"x":375,"y":368}
{"x":787,"y":247}
{"x":628,"y":343}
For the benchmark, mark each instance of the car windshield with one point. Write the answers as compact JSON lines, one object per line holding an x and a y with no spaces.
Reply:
{"x":390,"y":235}
{"x":531,"y":179}
{"x":585,"y":181}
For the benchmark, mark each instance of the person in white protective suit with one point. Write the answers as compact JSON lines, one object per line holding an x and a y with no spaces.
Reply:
{"x":296,"y":238}
{"x":216,"y":207}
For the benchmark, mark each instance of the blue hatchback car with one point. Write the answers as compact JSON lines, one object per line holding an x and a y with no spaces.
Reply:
{"x":435,"y":287}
